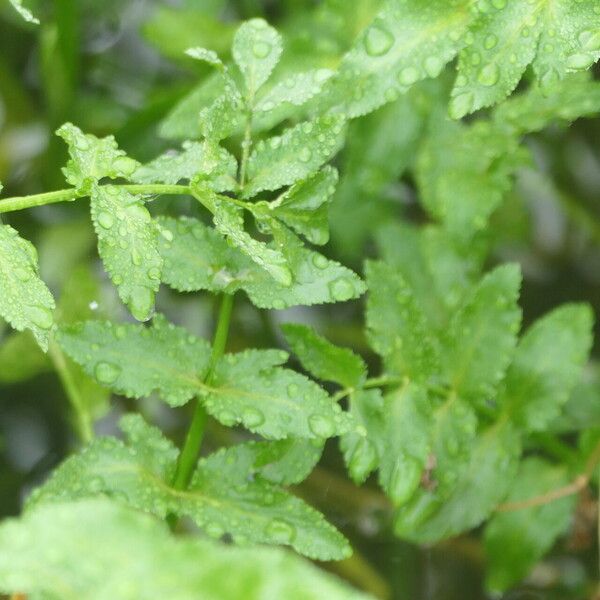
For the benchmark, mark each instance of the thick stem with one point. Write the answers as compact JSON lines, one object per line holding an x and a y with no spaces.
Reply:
{"x":23,"y":202}
{"x":193,"y":441}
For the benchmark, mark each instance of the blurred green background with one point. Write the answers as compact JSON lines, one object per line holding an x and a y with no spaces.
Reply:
{"x":118,"y":67}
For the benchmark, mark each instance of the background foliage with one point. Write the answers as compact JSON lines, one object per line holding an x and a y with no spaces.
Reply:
{"x":501,"y":393}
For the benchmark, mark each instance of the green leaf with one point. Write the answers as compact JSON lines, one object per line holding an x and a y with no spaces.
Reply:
{"x":226,"y":494}
{"x":272,"y":401}
{"x":284,"y":462}
{"x":555,"y":37}
{"x":93,"y":158}
{"x":575,"y":96}
{"x":304,"y":206}
{"x":316,"y":279}
{"x":25,"y":301}
{"x":195,"y":159}
{"x":407,"y":42}
{"x":406,"y":446}
{"x":128,"y":246}
{"x":322,"y":359}
{"x":517,"y":539}
{"x":294,"y":155}
{"x":547,"y":365}
{"x":476,"y":488}
{"x":481,"y":336}
{"x":24,"y":12}
{"x":224,"y":116}
{"x":134,"y":361}
{"x":229,"y":220}
{"x":90,"y":548}
{"x":464,"y":172}
{"x":199,"y":258}
{"x":362,"y":453}
{"x":396,"y":326}
{"x":297,"y":89}
{"x":256,"y":50}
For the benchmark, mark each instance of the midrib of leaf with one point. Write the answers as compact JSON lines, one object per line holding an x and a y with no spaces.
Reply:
{"x":191,"y":494}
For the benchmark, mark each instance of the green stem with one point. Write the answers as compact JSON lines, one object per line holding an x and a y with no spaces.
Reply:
{"x":191,"y":447}
{"x":82,"y":416}
{"x":24,"y":202}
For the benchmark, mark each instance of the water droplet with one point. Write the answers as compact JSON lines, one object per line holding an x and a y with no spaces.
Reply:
{"x":105,"y":220}
{"x":490,"y":41}
{"x":23,"y":274}
{"x":433,"y":65}
{"x":252,"y":417}
{"x":320,"y":261}
{"x":39,"y":316}
{"x":489,"y":75}
{"x":305,"y":154}
{"x":141,"y":303}
{"x":107,"y":372}
{"x":125,"y":165}
{"x":136,"y":257}
{"x":321,"y":426}
{"x":342,"y":289}
{"x":227,"y":418}
{"x":280,"y":531}
{"x":378,"y":40}
{"x":292,"y":390}
{"x":154,"y":273}
{"x":408,"y":76}
{"x":499,"y":4}
{"x":261,"y":49}
{"x":168,"y":235}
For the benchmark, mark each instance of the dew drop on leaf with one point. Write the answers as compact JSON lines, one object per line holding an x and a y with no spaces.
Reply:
{"x":261,"y":49}
{"x":378,"y":41}
{"x":489,"y":75}
{"x":252,"y":417}
{"x":281,"y":531}
{"x":107,"y":372}
{"x":106,"y":220}
{"x":321,"y":426}
{"x":341,"y":289}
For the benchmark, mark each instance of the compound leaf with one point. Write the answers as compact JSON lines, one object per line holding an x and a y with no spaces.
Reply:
{"x":37,"y":550}
{"x":224,"y":496}
{"x":556,"y":37}
{"x":471,"y":494}
{"x":272,"y":401}
{"x":408,"y":41}
{"x":93,"y":158}
{"x":297,"y":89}
{"x":323,"y":359}
{"x":547,"y":365}
{"x":229,"y":220}
{"x":406,"y":445}
{"x":298,"y":152}
{"x":256,"y":50}
{"x":304,"y":207}
{"x":128,"y":246}
{"x":199,"y":258}
{"x":481,"y":336}
{"x":25,"y":301}
{"x":396,"y":326}
{"x":515,"y":540}
{"x":195,"y":159}
{"x":362,"y":453}
{"x":135,"y":361}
